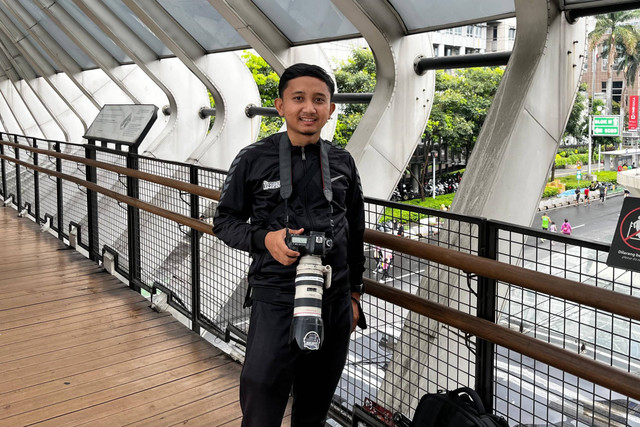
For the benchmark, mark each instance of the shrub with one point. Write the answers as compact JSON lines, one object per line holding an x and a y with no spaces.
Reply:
{"x":550,"y":191}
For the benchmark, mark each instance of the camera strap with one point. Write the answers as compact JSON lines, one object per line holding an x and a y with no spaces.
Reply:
{"x":286,"y":184}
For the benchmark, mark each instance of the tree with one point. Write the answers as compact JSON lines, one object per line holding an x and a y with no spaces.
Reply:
{"x":629,"y":64}
{"x":460,"y":105}
{"x":355,"y":75}
{"x":613,"y":30}
{"x":267,"y":81}
{"x":577,"y":124}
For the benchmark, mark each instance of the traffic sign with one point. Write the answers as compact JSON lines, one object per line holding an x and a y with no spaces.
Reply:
{"x":606,"y":125}
{"x":578,"y":175}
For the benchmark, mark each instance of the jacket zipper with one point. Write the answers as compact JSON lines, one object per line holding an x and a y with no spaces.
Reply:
{"x":306,"y":204}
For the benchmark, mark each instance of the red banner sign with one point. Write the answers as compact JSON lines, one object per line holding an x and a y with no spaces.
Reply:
{"x":633,"y":112}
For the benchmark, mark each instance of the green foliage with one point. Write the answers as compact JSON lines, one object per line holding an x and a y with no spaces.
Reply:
{"x":267,"y":81}
{"x":571,"y":182}
{"x":355,"y":75}
{"x":550,"y":191}
{"x":212,"y":102}
{"x":571,"y":159}
{"x":460,"y":105}
{"x":577,"y":125}
{"x":406,"y":216}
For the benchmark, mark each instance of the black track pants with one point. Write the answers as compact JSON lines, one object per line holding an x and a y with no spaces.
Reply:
{"x":272,"y":366}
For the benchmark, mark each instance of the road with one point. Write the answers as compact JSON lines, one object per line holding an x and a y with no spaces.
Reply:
{"x":596,"y":221}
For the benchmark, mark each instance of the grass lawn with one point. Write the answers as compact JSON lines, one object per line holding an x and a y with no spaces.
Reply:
{"x":429,"y":202}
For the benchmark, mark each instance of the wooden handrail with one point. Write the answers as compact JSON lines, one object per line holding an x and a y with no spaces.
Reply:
{"x":611,"y":301}
{"x":604,"y":299}
{"x":583,"y":367}
{"x":169,"y":182}
{"x":182,"y":219}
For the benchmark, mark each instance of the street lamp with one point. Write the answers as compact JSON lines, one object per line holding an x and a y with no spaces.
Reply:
{"x":434,"y":155}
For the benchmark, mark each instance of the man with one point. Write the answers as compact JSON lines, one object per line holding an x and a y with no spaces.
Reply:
{"x":545,"y":223}
{"x":294,"y":182}
{"x":603,"y":191}
{"x":586,"y":195}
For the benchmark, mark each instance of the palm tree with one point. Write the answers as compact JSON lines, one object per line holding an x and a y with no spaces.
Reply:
{"x":629,"y":64}
{"x":614,"y":30}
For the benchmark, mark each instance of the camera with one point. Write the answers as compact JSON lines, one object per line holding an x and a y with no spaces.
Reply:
{"x":314,"y":244}
{"x":307,"y":328}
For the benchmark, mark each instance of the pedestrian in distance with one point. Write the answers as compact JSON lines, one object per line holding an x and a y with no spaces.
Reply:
{"x":603,"y":192}
{"x":565,"y":228}
{"x":387,"y":259}
{"x":545,"y":223}
{"x":377,"y":255}
{"x":553,"y":229}
{"x":586,"y":195}
{"x":577,"y":196}
{"x":400,"y":229}
{"x":288,"y":185}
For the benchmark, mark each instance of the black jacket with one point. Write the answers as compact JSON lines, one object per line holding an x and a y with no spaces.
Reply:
{"x":252,"y":192}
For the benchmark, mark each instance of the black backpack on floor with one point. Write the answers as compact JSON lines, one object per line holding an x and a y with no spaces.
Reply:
{"x":458,"y":408}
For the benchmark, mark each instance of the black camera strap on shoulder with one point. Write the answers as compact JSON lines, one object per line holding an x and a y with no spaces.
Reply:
{"x":286,"y":184}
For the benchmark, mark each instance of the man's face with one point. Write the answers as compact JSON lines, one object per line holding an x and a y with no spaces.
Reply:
{"x":306,"y":106}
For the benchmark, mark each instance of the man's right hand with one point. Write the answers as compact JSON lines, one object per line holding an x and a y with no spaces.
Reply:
{"x":275,"y":244}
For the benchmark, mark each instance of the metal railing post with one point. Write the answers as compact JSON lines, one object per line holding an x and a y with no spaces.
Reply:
{"x":133,"y":224}
{"x":59,"y":195}
{"x":486,"y":309}
{"x":4,"y":173}
{"x":92,"y":204}
{"x":36,"y":183}
{"x":195,"y":254}
{"x":18,"y":181}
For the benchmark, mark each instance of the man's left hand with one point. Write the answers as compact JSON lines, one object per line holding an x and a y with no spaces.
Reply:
{"x":355,"y":299}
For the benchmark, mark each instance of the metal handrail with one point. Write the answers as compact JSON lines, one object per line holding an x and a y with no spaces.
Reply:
{"x":616,"y":303}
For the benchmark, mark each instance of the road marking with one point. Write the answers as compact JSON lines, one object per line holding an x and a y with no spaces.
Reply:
{"x":578,"y":226}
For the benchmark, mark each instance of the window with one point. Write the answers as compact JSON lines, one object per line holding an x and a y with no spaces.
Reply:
{"x":451,"y":50}
{"x":436,"y":50}
{"x":469,"y":30}
{"x":458,"y":31}
{"x":617,"y":90}
{"x":512,"y":33}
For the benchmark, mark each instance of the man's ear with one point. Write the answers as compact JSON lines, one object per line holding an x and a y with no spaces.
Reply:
{"x":333,"y":108}
{"x":278,"y":104}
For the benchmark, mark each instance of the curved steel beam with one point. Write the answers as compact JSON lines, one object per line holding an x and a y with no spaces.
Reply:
{"x":392,"y":126}
{"x":166,"y":140}
{"x":249,"y":21}
{"x":85,"y":41}
{"x":225,"y":76}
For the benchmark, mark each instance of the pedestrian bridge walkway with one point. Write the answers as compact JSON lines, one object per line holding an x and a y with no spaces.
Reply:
{"x":78,"y":347}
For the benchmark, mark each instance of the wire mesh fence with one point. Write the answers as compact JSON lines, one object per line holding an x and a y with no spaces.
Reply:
{"x":545,"y":394}
{"x":401,"y":355}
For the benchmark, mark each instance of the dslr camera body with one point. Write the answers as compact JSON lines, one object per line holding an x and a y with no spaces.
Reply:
{"x":307,"y":329}
{"x":315,"y":243}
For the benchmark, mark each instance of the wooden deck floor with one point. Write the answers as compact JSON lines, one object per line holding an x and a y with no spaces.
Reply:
{"x":77,"y":347}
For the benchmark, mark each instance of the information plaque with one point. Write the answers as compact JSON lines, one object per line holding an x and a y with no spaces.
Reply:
{"x":122,"y":123}
{"x":625,"y":247}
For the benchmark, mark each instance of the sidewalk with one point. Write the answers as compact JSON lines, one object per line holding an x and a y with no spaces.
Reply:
{"x":559,"y":202}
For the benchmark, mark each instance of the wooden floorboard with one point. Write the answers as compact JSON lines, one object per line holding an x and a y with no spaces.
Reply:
{"x":79,"y":348}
